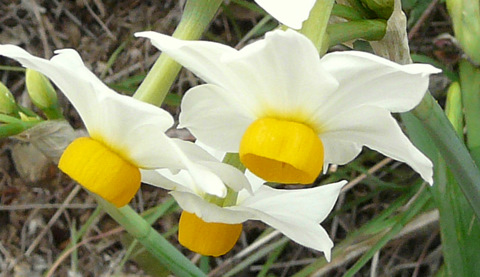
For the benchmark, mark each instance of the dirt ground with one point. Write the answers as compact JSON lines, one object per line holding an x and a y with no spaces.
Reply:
{"x":40,"y":207}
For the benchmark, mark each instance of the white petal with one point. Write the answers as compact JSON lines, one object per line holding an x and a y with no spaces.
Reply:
{"x":297,"y":213}
{"x":207,"y":211}
{"x":128,"y":125}
{"x":215,"y":117}
{"x":69,"y":73}
{"x":313,"y":203}
{"x":375,"y":128}
{"x":135,"y":129}
{"x":201,"y":57}
{"x":288,"y":12}
{"x":283,"y":75}
{"x":368,"y":79}
{"x":158,"y":177}
{"x":230,"y":175}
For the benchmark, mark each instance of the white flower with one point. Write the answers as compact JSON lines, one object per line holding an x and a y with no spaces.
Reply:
{"x":289,"y":12}
{"x":213,"y":229}
{"x":288,"y":112}
{"x":125,"y":134}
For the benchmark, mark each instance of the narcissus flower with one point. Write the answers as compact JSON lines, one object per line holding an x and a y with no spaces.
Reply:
{"x":289,"y":12}
{"x":212,"y":226}
{"x":289,"y":113}
{"x":126,"y":135}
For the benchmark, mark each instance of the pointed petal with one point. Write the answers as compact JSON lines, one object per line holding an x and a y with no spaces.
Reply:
{"x":215,"y":117}
{"x":68,"y":72}
{"x":209,"y":212}
{"x":288,"y":12}
{"x":283,"y":75}
{"x":179,"y":181}
{"x":201,"y":57}
{"x":375,"y":128}
{"x":297,"y":213}
{"x":368,"y":79}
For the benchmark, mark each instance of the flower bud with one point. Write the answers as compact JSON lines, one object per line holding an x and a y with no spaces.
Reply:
{"x":40,"y":89}
{"x":382,"y":8}
{"x":7,"y":101}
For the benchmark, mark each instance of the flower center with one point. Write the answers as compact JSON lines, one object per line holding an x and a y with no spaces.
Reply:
{"x":207,"y":238}
{"x":100,"y":170}
{"x":282,"y":151}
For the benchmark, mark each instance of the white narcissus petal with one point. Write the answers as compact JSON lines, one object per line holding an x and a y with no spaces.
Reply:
{"x":180,"y":181}
{"x":366,"y":79}
{"x":295,"y":213}
{"x":68,"y":72}
{"x":289,"y":12}
{"x":215,"y":117}
{"x":275,"y":87}
{"x":283,"y":82}
{"x":209,"y":212}
{"x":313,"y":203}
{"x":375,"y":128}
{"x":201,"y":57}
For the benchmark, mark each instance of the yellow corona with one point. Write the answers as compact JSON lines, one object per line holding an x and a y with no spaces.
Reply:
{"x":101,"y":171}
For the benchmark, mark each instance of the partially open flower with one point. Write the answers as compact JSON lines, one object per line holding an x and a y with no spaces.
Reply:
{"x":126,"y":135}
{"x":211,"y":225}
{"x":289,"y":113}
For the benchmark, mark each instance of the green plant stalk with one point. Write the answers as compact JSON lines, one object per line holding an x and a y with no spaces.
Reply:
{"x":11,"y":129}
{"x":470,"y":87}
{"x":460,"y":232}
{"x":315,"y":27}
{"x":346,"y":12}
{"x":465,"y":15}
{"x":451,"y":148}
{"x":155,"y":243}
{"x":195,"y":19}
{"x":368,"y":29}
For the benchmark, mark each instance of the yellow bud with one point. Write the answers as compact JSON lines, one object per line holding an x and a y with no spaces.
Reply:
{"x":282,"y":151}
{"x":40,"y":89}
{"x":7,"y":101}
{"x":101,"y":170}
{"x":207,"y":238}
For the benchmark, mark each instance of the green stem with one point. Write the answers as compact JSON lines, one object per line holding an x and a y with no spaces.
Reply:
{"x":451,"y":148}
{"x":156,"y":244}
{"x":470,"y":87}
{"x":346,"y":12}
{"x":315,"y":27}
{"x":196,"y":17}
{"x":368,"y":29}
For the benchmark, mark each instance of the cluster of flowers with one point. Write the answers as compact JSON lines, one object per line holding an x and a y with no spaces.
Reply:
{"x":286,"y":111}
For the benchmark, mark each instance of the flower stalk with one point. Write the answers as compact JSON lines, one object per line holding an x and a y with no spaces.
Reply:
{"x":315,"y":27}
{"x":196,"y":17}
{"x":156,"y":244}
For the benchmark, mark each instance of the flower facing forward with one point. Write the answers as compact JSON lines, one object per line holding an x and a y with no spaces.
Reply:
{"x":289,"y":113}
{"x":289,"y":12}
{"x":125,"y":134}
{"x":212,"y":226}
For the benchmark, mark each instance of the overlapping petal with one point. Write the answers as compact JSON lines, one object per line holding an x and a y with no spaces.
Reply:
{"x":295,"y":213}
{"x":375,"y":128}
{"x":282,"y":76}
{"x":366,"y":79}
{"x":132,"y":128}
{"x":289,"y":12}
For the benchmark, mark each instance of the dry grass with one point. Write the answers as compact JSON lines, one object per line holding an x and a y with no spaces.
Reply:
{"x":39,"y":206}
